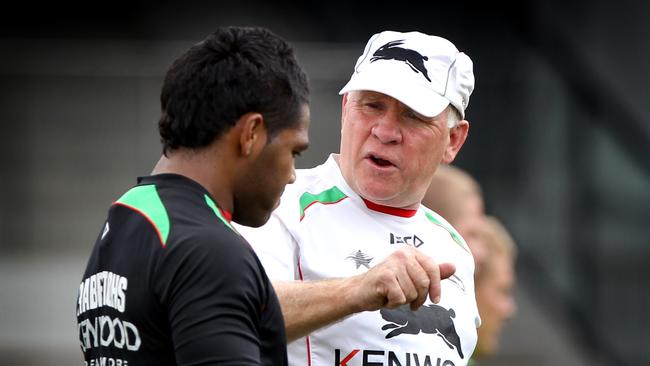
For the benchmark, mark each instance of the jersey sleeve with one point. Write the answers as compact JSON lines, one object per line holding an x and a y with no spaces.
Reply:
{"x":215,"y":291}
{"x":275,"y":246}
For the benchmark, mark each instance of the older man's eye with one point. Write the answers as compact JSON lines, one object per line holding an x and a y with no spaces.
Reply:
{"x":372,"y":108}
{"x":412,"y":115}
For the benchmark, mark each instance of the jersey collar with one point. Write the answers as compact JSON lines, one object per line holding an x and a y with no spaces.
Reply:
{"x":401,"y":212}
{"x":335,"y":171}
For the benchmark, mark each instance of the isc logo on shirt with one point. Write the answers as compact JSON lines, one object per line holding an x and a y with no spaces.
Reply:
{"x":411,"y":240}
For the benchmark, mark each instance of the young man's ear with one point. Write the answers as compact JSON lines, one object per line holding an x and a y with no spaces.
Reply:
{"x":253,"y":133}
{"x":457,"y":137}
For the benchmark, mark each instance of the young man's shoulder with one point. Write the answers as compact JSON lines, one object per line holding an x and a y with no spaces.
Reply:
{"x":182,"y":215}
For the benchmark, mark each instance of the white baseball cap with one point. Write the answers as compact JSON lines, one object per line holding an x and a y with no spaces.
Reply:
{"x":425,"y":72}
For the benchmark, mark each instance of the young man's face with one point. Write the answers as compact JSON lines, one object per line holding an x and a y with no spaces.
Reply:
{"x":388,"y":151}
{"x":271,"y":171}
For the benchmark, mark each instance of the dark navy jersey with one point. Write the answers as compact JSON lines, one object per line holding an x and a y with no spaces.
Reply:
{"x":170,"y":282}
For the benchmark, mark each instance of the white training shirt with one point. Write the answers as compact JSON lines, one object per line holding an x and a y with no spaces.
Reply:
{"x":323,"y":229}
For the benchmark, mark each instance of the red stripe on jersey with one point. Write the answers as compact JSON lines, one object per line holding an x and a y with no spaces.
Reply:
{"x":226,"y":214}
{"x":402,"y":212}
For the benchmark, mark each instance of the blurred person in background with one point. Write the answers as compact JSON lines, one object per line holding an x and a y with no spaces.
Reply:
{"x":495,"y":280}
{"x":354,"y":252}
{"x":457,"y":196}
{"x":169,"y":281}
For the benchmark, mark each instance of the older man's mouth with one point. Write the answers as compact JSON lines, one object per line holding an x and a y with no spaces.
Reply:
{"x":379,"y":161}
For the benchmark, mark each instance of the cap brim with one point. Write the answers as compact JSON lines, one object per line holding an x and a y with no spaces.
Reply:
{"x":418,"y":97}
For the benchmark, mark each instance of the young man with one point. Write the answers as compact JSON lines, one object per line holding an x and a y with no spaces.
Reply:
{"x":353,"y":248}
{"x":169,"y":281}
{"x":495,"y":280}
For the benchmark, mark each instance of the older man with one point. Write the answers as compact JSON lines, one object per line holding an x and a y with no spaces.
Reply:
{"x":360,"y":251}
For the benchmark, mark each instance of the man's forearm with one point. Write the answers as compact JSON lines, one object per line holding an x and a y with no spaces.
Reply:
{"x":307,"y":306}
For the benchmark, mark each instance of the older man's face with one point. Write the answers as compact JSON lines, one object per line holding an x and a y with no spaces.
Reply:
{"x":388,"y":151}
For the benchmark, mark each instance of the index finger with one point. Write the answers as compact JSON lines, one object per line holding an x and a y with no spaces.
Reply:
{"x":436,"y":274}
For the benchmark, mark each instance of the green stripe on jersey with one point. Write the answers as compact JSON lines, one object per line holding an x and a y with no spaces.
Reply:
{"x":146,"y":200}
{"x":217,"y":212}
{"x":329,"y":196}
{"x":454,"y":234}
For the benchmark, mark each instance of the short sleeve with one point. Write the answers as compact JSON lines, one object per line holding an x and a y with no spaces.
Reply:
{"x":215,"y":293}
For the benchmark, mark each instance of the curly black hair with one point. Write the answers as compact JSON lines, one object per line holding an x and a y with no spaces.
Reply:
{"x":235,"y":70}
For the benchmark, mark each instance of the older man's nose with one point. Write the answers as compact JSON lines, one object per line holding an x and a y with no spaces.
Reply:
{"x":387,"y":130}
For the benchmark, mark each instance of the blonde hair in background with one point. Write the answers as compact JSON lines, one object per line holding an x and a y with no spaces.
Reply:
{"x":448,"y":186}
{"x":498,"y":241}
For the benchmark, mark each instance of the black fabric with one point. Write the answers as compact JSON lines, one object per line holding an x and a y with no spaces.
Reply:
{"x":201,"y":299}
